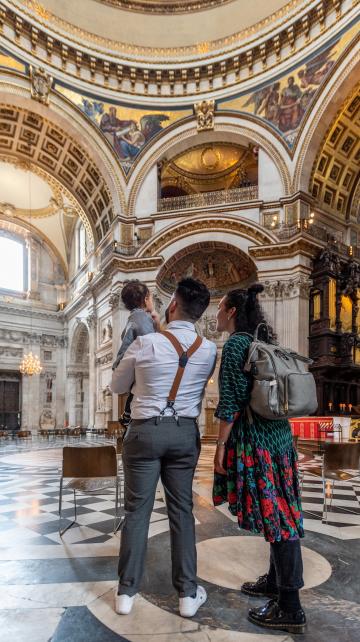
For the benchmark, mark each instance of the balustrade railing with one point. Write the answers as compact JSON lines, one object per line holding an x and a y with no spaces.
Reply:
{"x":206,"y":199}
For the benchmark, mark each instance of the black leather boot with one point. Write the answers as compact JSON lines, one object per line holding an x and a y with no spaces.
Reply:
{"x":271,"y":616}
{"x":260,"y":588}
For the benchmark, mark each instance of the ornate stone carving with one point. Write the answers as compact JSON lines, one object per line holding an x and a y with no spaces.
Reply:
{"x":104,"y":359}
{"x":114,"y":300}
{"x":187,"y":229}
{"x":41,"y":83}
{"x":204,"y":112}
{"x":6,"y":351}
{"x":282,"y":289}
{"x":91,"y":320}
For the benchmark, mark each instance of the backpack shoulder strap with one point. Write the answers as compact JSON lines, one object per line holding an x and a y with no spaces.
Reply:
{"x":184,"y":356}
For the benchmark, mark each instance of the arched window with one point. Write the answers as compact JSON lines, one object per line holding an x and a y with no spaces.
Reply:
{"x":82,"y":244}
{"x":13,"y":268}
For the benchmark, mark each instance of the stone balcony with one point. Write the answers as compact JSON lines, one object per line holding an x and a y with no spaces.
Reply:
{"x":208,"y":199}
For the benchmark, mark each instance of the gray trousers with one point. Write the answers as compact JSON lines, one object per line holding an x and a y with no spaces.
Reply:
{"x":153,"y":449}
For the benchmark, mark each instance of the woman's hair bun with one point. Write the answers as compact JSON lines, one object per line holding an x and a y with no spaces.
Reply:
{"x":255,"y":289}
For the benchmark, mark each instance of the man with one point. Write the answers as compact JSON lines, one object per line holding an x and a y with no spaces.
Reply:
{"x":163,"y":441}
{"x":112,"y":127}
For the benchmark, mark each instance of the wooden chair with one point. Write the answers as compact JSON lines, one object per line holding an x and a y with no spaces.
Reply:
{"x":4,"y":434}
{"x":341,"y":462}
{"x":24,"y":434}
{"x":90,"y":471}
{"x":114,"y":430}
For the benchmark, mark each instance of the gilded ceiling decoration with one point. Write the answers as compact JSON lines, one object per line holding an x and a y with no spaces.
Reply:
{"x":218,"y":265}
{"x":129,"y":36}
{"x":28,"y":137}
{"x":128,"y":128}
{"x":164,"y":6}
{"x":215,"y":166}
{"x":335,"y":177}
{"x":285,"y":103}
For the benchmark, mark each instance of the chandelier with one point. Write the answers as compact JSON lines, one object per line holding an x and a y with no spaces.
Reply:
{"x":30,"y":365}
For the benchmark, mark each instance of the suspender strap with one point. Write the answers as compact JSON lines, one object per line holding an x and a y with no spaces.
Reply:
{"x":184,"y":357}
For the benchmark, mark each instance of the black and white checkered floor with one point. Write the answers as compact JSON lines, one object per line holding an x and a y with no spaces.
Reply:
{"x":62,"y":589}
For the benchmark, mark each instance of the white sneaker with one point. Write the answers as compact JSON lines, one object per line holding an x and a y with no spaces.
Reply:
{"x":123,"y":603}
{"x":188,"y":606}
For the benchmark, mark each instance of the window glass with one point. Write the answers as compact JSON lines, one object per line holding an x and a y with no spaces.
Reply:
{"x":11,"y":264}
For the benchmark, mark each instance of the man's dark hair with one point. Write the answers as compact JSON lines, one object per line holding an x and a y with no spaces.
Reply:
{"x":133,"y":294}
{"x":193,"y":298}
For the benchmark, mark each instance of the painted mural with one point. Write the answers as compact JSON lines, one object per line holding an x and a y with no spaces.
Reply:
{"x":284,"y":103}
{"x":128,"y":129}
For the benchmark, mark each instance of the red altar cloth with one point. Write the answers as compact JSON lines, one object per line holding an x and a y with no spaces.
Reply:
{"x":308,"y":427}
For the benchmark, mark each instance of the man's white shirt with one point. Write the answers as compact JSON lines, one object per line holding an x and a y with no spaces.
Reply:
{"x":151,"y":363}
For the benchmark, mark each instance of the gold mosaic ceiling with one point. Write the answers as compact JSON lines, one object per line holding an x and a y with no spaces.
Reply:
{"x":336,"y":172}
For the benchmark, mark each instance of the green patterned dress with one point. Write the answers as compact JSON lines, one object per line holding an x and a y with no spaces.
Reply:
{"x":262,"y":483}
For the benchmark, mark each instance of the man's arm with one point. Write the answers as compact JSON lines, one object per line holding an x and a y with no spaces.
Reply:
{"x":124,"y":375}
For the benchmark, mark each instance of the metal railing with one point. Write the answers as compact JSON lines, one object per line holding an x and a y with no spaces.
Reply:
{"x":206,"y":199}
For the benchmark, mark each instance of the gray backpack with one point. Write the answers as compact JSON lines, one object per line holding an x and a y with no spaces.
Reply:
{"x":282,"y":386}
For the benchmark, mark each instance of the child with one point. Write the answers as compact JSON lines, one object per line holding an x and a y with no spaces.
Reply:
{"x":142,"y":320}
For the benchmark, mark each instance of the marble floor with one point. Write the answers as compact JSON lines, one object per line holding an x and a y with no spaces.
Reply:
{"x":62,"y":590}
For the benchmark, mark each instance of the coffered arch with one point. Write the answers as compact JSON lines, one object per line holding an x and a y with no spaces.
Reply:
{"x":327,"y":108}
{"x":335,"y":171}
{"x":37,"y":141}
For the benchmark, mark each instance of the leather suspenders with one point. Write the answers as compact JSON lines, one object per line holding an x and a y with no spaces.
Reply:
{"x":184,"y":357}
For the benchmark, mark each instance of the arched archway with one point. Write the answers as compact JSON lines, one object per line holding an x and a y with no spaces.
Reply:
{"x":234,"y":128}
{"x":78,"y":377}
{"x":59,"y":141}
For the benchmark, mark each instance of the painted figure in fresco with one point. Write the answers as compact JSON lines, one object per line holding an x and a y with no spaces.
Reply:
{"x":92,"y":108}
{"x":290,"y":106}
{"x":271,"y":104}
{"x":130,"y":141}
{"x":151,"y":124}
{"x":113,"y":128}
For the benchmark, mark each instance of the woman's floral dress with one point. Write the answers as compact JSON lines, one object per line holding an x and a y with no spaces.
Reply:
{"x":262,"y":483}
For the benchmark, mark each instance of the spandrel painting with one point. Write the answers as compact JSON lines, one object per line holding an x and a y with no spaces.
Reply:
{"x":284,"y":103}
{"x":128,"y":129}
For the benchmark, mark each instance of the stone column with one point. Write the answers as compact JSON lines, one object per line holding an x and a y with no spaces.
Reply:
{"x":286,"y":305}
{"x":92,"y":325}
{"x":60,"y":382}
{"x":71,"y":397}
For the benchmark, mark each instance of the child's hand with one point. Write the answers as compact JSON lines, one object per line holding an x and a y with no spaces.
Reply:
{"x":156,"y":318}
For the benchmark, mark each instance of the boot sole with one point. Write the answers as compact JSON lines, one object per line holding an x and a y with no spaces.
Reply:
{"x":289,"y":628}
{"x":253,"y":594}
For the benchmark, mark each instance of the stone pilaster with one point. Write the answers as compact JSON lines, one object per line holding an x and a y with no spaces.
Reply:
{"x":91,"y":321}
{"x":286,"y":304}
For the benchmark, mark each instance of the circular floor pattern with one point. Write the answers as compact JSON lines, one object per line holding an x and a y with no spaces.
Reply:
{"x":47,"y":457}
{"x":230,"y":561}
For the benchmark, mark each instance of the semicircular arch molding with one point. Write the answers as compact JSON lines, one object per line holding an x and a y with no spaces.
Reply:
{"x":25,"y":229}
{"x":233,"y":128}
{"x":79,"y":345}
{"x":240,"y":233}
{"x":59,"y":139}
{"x":327,"y":107}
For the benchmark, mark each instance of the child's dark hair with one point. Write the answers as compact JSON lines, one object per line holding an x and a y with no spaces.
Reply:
{"x":133,"y":294}
{"x":248,"y":313}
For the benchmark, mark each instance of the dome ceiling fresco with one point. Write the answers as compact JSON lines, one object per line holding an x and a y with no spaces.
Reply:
{"x":167,"y":27}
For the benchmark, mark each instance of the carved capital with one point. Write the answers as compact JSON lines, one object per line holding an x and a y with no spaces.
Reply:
{"x":114,"y":300}
{"x":91,"y":320}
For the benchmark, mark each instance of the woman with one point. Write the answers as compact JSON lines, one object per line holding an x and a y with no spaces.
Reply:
{"x":256,"y":470}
